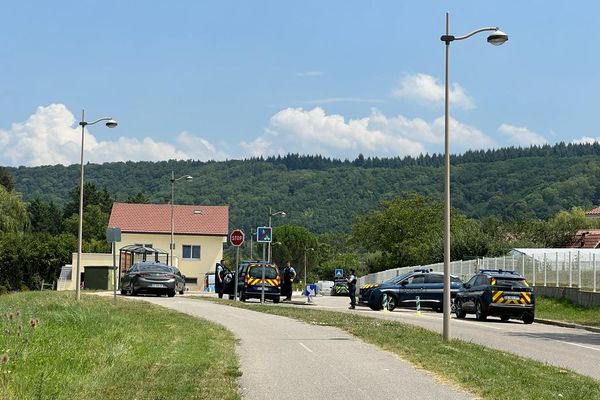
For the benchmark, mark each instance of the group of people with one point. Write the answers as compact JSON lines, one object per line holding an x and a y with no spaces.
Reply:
{"x":289,"y":274}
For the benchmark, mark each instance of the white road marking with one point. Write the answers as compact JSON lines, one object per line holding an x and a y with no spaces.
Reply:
{"x":303,"y":345}
{"x":577,"y":344}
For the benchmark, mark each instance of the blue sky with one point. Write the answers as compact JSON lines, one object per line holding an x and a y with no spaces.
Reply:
{"x":234,"y":79}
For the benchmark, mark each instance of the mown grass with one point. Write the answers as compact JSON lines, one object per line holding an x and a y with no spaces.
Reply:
{"x":488,"y":373}
{"x":565,"y":310}
{"x":94,"y":349}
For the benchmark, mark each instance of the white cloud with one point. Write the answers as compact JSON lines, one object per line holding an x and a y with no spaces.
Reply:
{"x":309,"y":74}
{"x":428,"y":90}
{"x":313,"y":131}
{"x":585,"y":140}
{"x":48,"y":137}
{"x":521,"y":135}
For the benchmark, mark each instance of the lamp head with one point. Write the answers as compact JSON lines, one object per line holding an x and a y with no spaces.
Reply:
{"x":188,"y":178}
{"x":111,"y":123}
{"x":497,"y":37}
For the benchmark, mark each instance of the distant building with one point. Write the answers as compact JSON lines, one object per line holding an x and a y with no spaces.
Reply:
{"x":199,"y":235}
{"x":595,"y":213}
{"x":586,"y":239}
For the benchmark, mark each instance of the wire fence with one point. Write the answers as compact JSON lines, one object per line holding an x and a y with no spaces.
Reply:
{"x":560,"y":268}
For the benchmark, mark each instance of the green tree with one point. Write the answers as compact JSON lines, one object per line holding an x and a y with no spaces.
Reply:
{"x":44,"y":217}
{"x":139,"y":198}
{"x":95,"y":222}
{"x":6,"y":179}
{"x":295,"y":240}
{"x":91,"y":196}
{"x":13,"y":212}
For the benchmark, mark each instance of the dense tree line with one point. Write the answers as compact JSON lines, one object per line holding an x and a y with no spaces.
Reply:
{"x":324,"y":194}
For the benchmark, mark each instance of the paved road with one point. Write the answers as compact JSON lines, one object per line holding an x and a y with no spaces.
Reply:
{"x":575,"y":349}
{"x":282,"y":358}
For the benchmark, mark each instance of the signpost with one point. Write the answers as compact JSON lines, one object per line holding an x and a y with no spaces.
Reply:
{"x":264,"y":235}
{"x":339,"y":273}
{"x":237,"y":239}
{"x":113,"y":235}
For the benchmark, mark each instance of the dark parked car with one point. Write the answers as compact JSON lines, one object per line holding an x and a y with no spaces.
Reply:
{"x":403,"y":290}
{"x":504,"y":294}
{"x":250,"y":281}
{"x":152,"y":277}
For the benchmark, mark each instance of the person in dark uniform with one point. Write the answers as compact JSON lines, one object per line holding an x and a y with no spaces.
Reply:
{"x":219,"y":275}
{"x":352,"y":289}
{"x":289,"y":274}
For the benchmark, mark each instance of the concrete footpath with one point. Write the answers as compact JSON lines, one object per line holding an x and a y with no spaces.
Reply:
{"x":282,"y":358}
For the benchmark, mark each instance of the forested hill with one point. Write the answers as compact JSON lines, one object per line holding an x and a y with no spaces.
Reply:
{"x":324,"y":194}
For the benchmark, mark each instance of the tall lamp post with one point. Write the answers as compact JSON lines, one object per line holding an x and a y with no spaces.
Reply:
{"x":173,"y":180}
{"x":497,"y":37}
{"x":306,"y":250}
{"x":272,"y":214}
{"x":111,"y":123}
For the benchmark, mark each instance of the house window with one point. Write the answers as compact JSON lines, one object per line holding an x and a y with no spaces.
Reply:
{"x":191,"y":252}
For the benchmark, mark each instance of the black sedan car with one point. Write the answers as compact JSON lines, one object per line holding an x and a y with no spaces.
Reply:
{"x":152,"y":277}
{"x":403,"y":290}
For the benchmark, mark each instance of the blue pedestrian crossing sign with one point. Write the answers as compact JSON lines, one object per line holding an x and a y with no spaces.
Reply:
{"x":264,"y":234}
{"x":339,"y":273}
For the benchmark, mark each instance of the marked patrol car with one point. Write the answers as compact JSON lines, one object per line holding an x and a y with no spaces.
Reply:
{"x":504,"y":294}
{"x":403,"y":290}
{"x":250,"y":281}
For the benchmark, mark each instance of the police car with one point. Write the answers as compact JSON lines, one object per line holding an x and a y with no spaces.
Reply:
{"x":250,"y":282}
{"x":499,"y":293}
{"x":421,"y":287}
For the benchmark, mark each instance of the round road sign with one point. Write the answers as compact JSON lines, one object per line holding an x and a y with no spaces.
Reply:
{"x":237,"y":237}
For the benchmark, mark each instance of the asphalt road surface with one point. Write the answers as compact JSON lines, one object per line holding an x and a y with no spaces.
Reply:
{"x":282,"y":358}
{"x":569,"y":348}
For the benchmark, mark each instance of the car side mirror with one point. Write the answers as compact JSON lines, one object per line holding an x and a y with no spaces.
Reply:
{"x":183,"y":277}
{"x":467,"y":286}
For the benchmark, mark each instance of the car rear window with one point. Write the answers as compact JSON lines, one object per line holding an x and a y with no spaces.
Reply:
{"x":256,"y":272}
{"x":514,"y":283}
{"x":159,"y":268}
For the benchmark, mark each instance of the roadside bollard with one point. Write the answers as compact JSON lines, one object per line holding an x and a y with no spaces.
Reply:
{"x":418,"y":305}
{"x":385,"y":303}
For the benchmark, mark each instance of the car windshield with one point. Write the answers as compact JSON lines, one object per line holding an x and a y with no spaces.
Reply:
{"x":154,"y":268}
{"x":511,"y":282}
{"x":397,"y":279}
{"x":256,"y":272}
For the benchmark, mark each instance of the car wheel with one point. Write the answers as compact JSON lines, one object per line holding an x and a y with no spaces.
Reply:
{"x":391,"y":302}
{"x":276,"y":299}
{"x":479,"y":313}
{"x":504,"y":318}
{"x":181,"y":292}
{"x":460,"y":313}
{"x":528,"y":319}
{"x":123,"y":292}
{"x":171,"y":293}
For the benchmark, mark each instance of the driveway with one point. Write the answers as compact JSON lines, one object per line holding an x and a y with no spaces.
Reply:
{"x":282,"y":358}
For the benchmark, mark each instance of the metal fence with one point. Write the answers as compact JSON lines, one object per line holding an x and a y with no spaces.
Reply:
{"x":575,"y":269}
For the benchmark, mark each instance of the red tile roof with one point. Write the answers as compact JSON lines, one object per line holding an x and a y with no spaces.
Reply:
{"x":156,"y":218}
{"x":586,"y":239}
{"x":594,"y":212}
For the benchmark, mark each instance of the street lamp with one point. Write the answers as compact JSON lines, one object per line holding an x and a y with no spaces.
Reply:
{"x":173,"y":180}
{"x":306,"y":250}
{"x":111,"y":123}
{"x":272,"y":214}
{"x":497,"y":37}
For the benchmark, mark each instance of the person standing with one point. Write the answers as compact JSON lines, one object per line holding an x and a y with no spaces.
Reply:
{"x":352,"y":289}
{"x":289,"y":274}
{"x":219,"y":275}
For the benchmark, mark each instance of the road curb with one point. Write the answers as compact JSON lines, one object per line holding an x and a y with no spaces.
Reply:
{"x":567,"y":325}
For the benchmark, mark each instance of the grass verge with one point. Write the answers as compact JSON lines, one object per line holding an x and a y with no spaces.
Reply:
{"x":488,"y":373}
{"x":94,"y":349}
{"x":565,"y":310}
